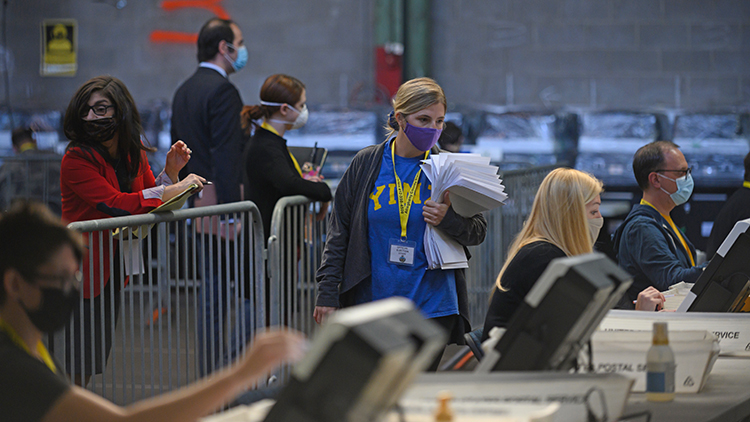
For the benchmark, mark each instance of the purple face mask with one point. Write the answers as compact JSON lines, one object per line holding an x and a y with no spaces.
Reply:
{"x":423,"y":138}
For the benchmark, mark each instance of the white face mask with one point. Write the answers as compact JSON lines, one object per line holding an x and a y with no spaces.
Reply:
{"x":595,"y":225}
{"x":301,"y":119}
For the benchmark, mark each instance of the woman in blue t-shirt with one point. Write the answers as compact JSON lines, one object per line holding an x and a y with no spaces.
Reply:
{"x":374,"y":247}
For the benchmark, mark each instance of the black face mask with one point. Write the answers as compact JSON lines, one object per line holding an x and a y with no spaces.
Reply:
{"x":54,"y":311}
{"x":100,"y":130}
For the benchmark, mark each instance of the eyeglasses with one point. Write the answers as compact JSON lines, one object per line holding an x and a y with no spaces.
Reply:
{"x":684,"y":172}
{"x":99,"y":109}
{"x":66,"y":281}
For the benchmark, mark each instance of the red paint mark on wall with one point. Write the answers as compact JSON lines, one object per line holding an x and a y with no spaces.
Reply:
{"x":210,"y":5}
{"x":177,"y":37}
{"x":173,"y":37}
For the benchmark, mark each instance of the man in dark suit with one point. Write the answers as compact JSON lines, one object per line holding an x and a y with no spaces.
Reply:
{"x":206,"y":116}
{"x":206,"y":109}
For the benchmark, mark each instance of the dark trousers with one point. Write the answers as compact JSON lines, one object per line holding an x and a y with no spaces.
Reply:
{"x":92,"y":328}
{"x":448,"y":323}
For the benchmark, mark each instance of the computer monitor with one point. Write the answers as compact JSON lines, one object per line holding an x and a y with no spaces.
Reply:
{"x":725,"y":283}
{"x":558,"y":315}
{"x":359,"y":364}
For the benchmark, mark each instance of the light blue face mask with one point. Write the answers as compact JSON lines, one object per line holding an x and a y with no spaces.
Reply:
{"x":684,"y":188}
{"x":241,"y":61}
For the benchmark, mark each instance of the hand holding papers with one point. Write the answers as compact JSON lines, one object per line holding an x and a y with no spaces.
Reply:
{"x":175,"y":203}
{"x":474,"y":187}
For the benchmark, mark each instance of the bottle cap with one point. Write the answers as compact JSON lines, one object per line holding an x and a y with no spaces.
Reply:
{"x":661,"y":336}
{"x":444,"y":412}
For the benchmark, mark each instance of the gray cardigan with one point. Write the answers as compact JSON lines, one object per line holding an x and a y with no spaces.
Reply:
{"x":346,"y":257}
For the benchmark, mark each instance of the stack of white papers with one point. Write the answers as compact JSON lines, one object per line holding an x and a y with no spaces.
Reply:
{"x":675,"y":295}
{"x":474,"y":187}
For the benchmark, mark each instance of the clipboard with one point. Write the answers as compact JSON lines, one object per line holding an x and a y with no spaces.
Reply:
{"x":174,"y":203}
{"x":177,"y":201}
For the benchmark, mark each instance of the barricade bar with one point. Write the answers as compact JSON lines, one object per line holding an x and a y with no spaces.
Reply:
{"x":295,"y":249}
{"x":168,"y":216}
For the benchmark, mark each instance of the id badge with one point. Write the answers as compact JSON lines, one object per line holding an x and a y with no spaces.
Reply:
{"x":401,"y":252}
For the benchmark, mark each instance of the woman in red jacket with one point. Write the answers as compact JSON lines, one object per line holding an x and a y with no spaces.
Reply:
{"x":105,"y":173}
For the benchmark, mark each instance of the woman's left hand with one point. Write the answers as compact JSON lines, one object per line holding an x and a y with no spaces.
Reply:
{"x":322,"y":212}
{"x":177,"y":157}
{"x":433,"y":212}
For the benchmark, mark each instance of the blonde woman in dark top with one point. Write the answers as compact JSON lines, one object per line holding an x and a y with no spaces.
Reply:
{"x":564,"y":221}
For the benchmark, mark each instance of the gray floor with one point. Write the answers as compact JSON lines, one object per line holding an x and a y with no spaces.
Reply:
{"x":148,"y":358}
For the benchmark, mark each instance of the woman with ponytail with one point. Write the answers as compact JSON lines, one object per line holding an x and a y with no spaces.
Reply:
{"x":271,"y":172}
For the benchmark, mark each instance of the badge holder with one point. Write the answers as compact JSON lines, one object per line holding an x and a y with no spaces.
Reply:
{"x":401,"y":252}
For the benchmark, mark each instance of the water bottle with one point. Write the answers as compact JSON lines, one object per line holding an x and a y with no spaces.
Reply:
{"x":660,"y":366}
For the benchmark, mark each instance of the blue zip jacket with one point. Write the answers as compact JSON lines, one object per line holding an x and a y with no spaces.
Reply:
{"x":647,"y":248}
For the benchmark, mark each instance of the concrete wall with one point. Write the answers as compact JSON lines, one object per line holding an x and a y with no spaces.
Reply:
{"x":601,"y":53}
{"x":325,"y":43}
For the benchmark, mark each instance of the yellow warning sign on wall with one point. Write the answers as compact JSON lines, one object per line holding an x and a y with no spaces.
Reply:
{"x":59,"y":47}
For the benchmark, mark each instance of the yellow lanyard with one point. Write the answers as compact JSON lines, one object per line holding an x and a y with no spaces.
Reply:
{"x":296,"y":164}
{"x":674,"y":229}
{"x":404,"y":201}
{"x":15,"y":338}
{"x":271,"y":129}
{"x":746,"y":184}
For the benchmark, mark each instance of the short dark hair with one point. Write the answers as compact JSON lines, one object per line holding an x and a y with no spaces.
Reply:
{"x":450,"y":136}
{"x":648,"y":159}
{"x":30,"y":235}
{"x":747,"y":167}
{"x":21,"y":135}
{"x":214,"y":31}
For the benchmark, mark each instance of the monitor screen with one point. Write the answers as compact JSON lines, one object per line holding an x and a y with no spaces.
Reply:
{"x":360,"y":363}
{"x":558,"y":315}
{"x":725,"y":283}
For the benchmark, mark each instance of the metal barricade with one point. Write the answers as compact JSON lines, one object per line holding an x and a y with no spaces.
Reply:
{"x":31,"y":175}
{"x":295,"y":249}
{"x":187,"y":299}
{"x":503,"y":224}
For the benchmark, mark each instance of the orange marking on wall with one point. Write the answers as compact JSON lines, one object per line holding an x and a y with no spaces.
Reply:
{"x":210,"y":5}
{"x":177,"y":37}
{"x":173,"y":37}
